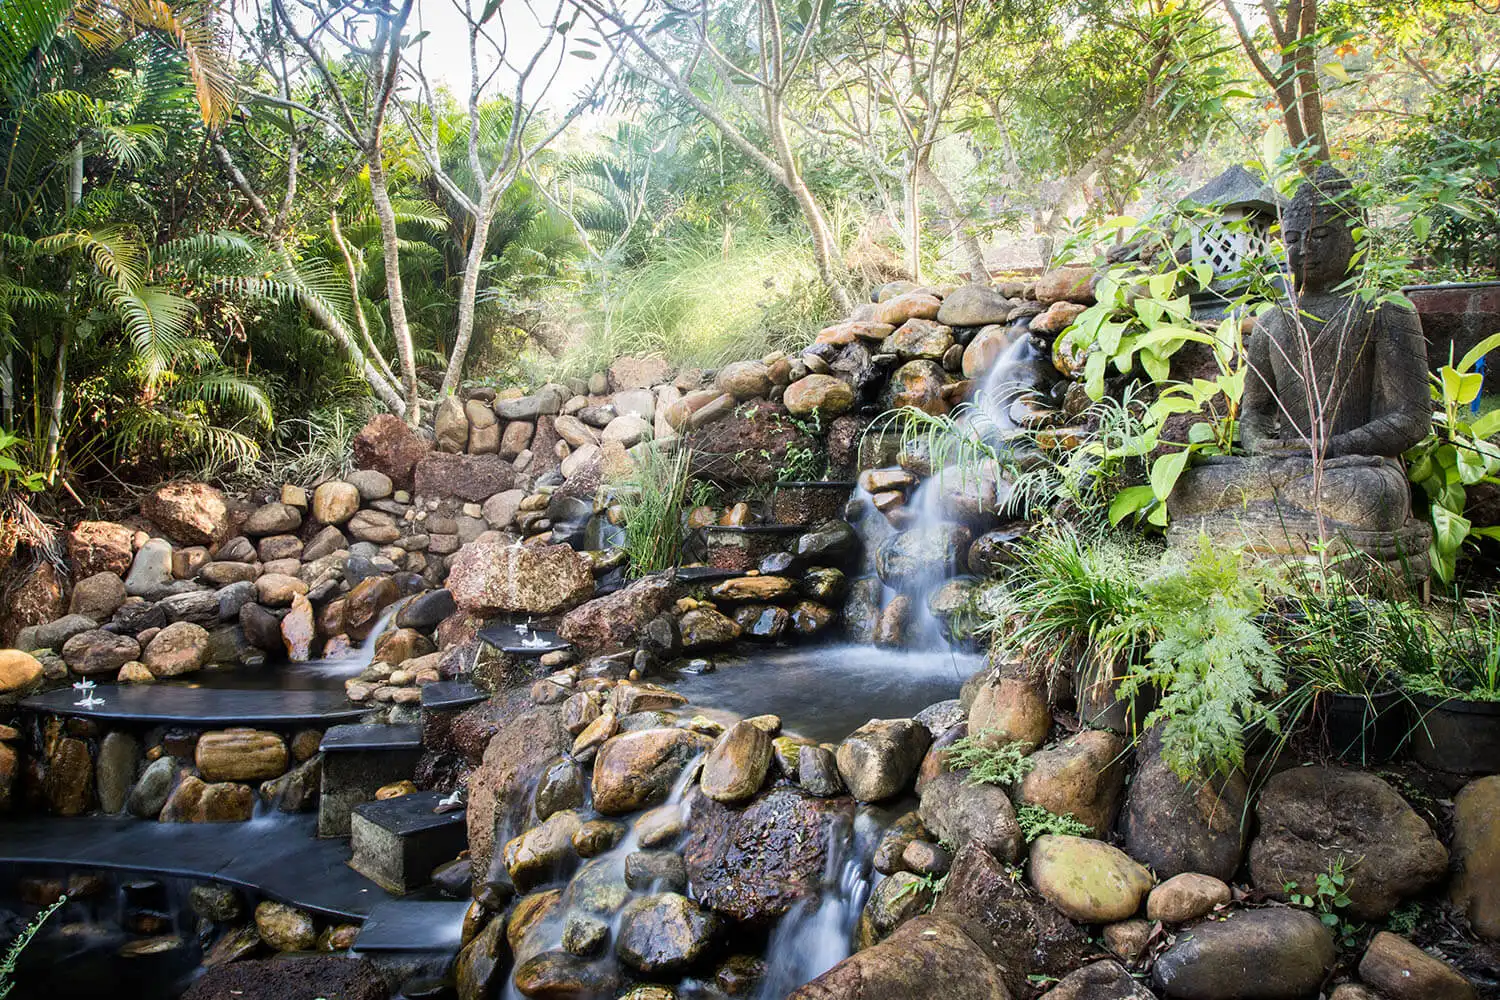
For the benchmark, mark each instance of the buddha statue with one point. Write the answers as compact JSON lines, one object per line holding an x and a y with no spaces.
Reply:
{"x":1332,"y":374}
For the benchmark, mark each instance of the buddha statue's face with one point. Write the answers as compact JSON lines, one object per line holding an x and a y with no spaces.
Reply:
{"x":1320,"y":253}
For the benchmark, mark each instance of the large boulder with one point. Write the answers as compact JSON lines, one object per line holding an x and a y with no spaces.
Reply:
{"x":1175,"y":825}
{"x":180,"y":648}
{"x":664,"y":933}
{"x":747,"y":446}
{"x":1088,"y":880}
{"x":99,"y":652}
{"x":100,"y":547}
{"x":1270,"y":954}
{"x":974,"y":305}
{"x":525,"y":739}
{"x":958,"y":811}
{"x":387,"y":445}
{"x":189,"y":513}
{"x":1402,"y":971}
{"x":474,"y":478}
{"x":1066,"y":284}
{"x":821,"y":394}
{"x":1475,"y":888}
{"x":1010,"y":710}
{"x":736,"y":766}
{"x":635,"y":770}
{"x":489,"y":577}
{"x":1313,"y":818}
{"x":754,"y":863}
{"x":1083,"y":777}
{"x":614,"y":621}
{"x":879,"y":759}
{"x":925,"y":957}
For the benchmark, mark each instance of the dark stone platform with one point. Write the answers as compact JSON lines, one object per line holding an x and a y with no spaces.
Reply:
{"x":373,"y":736}
{"x":277,"y":856}
{"x":182,"y":704}
{"x":504,"y":638}
{"x":413,"y":925}
{"x":448,"y":696}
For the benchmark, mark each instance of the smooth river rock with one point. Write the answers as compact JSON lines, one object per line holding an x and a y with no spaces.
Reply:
{"x":1271,"y":954}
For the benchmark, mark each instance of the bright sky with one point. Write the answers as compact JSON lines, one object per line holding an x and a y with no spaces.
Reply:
{"x":524,"y":26}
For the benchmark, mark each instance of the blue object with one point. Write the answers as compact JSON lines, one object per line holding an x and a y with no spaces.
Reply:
{"x":1479,"y":366}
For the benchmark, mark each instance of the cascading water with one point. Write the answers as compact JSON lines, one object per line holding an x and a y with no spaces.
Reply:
{"x":356,"y":661}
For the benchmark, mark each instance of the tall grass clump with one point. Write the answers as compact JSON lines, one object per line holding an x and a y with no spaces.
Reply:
{"x":652,"y":502}
{"x":703,"y":302}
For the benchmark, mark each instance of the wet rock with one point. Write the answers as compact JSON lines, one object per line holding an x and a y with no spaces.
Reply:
{"x":646,"y":870}
{"x":115,"y":770}
{"x":561,"y":786}
{"x":664,"y":933}
{"x":285,"y":928}
{"x":215,"y":902}
{"x":1087,"y":880}
{"x":862,"y":609}
{"x":703,"y":628}
{"x":488,"y":577}
{"x":753,"y":863}
{"x":480,"y":969}
{"x":276,"y":590}
{"x":1270,"y":954}
{"x":1011,"y":710}
{"x":1106,"y":980}
{"x":296,"y":630}
{"x":1314,"y":817}
{"x":912,"y":559}
{"x":99,"y":652}
{"x":542,"y":852}
{"x":736,"y":767}
{"x":1186,"y":897}
{"x":918,"y":339}
{"x":366,"y":602}
{"x":597,"y":836}
{"x":557,"y":975}
{"x":925,"y":957}
{"x":1402,"y":971}
{"x":197,"y":801}
{"x":69,"y":781}
{"x":297,"y":790}
{"x":240,"y":755}
{"x":426,"y":611}
{"x":895,"y":900}
{"x":180,"y":648}
{"x":809,"y":617}
{"x":880,"y":758}
{"x":636,"y":770}
{"x":150,"y":792}
{"x":335,"y":502}
{"x":917,"y":384}
{"x":818,"y":772}
{"x":926,"y":858}
{"x":1175,"y":826}
{"x":761,"y":621}
{"x":994,"y":550}
{"x":1083,"y":777}
{"x":957,"y":811}
{"x":189,"y":513}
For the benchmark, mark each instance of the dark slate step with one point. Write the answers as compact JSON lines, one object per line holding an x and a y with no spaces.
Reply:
{"x":503,"y":637}
{"x":398,"y":842}
{"x":358,"y":760}
{"x":413,"y":925}
{"x":179,"y":704}
{"x":450,"y":696}
{"x":276,"y":856}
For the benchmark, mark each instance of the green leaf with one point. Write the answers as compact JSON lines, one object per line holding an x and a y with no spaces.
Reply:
{"x":1165,"y":472}
{"x":1093,"y":375}
{"x":1487,"y":425}
{"x":1421,"y":225}
{"x":1129,"y":501}
{"x":1478,"y":351}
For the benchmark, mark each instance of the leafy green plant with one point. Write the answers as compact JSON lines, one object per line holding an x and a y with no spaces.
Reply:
{"x":1328,"y":894}
{"x":1207,"y":656}
{"x":1456,"y":455}
{"x":933,"y":885}
{"x":653,"y":501}
{"x":1459,"y":658}
{"x":13,"y":953}
{"x":988,"y":760}
{"x":1036,"y":821}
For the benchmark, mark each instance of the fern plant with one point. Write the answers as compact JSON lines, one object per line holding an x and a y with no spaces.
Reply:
{"x":1036,"y":821}
{"x":989,"y":761}
{"x":13,"y":953}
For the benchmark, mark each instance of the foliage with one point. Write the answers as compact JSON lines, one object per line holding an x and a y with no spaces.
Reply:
{"x":1456,"y":455}
{"x":1036,"y":821}
{"x":1207,"y":656}
{"x":13,"y":953}
{"x":1454,"y":656}
{"x":1328,"y":894}
{"x":652,"y":503}
{"x":988,"y":759}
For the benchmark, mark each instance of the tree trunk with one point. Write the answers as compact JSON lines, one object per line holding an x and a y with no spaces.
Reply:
{"x":54,"y":418}
{"x":825,"y":247}
{"x":911,"y":207}
{"x":979,"y":269}
{"x":468,"y":293}
{"x":390,"y":250}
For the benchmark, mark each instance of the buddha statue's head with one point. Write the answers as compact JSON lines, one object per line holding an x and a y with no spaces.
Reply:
{"x":1318,"y":229}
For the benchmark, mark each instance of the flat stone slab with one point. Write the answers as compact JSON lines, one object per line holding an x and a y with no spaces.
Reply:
{"x":451,"y":695}
{"x":171,"y":703}
{"x":504,"y":638}
{"x":371,"y":736}
{"x":277,"y":856}
{"x":414,"y":925}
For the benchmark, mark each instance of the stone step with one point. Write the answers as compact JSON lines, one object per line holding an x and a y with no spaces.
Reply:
{"x":503,"y":636}
{"x":398,"y":842}
{"x":173,"y":704}
{"x":413,"y":925}
{"x":359,"y":760}
{"x":450,"y":696}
